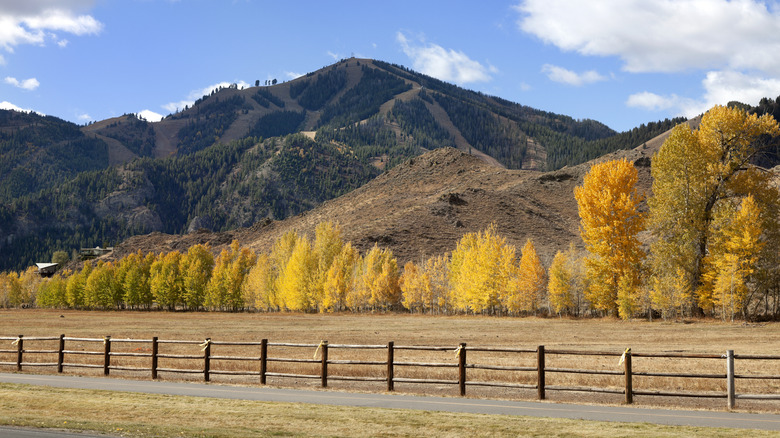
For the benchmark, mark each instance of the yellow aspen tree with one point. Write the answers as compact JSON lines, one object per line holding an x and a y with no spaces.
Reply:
{"x":52,"y":292}
{"x":165,"y":280}
{"x":137,"y":290}
{"x":559,"y":287}
{"x":671,"y":294}
{"x":75,"y":288}
{"x":296,"y":280}
{"x":196,"y":270}
{"x":380,"y":279}
{"x":482,"y":271}
{"x":531,"y":281}
{"x":693,"y":173}
{"x":30,"y":282}
{"x":280,"y":255}
{"x":100,"y":291}
{"x":14,"y":292}
{"x":608,"y":204}
{"x":735,"y":256}
{"x":258,"y":289}
{"x":327,"y":245}
{"x":439,"y":297}
{"x":357,"y":300}
{"x":412,"y":285}
{"x":224,"y":289}
{"x":340,"y":279}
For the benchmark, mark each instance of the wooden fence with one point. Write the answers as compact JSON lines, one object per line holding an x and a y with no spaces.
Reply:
{"x":383,"y":371}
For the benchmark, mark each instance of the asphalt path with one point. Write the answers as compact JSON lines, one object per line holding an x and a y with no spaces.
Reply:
{"x":392,"y":401}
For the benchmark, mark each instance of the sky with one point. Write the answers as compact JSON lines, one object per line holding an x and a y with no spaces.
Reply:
{"x":621,"y":62}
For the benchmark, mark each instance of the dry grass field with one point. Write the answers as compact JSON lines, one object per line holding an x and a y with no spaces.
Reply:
{"x":415,"y":330}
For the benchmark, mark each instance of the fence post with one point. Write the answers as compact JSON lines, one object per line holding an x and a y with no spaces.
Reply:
{"x":390,"y":360}
{"x":155,"y":349}
{"x":263,"y":360}
{"x":324,"y":372}
{"x":106,"y":354}
{"x":19,"y":352}
{"x":61,"y":354}
{"x":629,"y":379}
{"x":730,"y":379}
{"x":462,"y":368}
{"x":206,"y":359}
{"x":540,"y":371}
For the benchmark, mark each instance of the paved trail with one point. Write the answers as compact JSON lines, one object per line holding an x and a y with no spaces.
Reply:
{"x":448,"y":404}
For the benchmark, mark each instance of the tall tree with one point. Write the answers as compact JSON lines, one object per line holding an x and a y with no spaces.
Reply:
{"x":531,"y":281}
{"x":694,"y":172}
{"x":608,"y":204}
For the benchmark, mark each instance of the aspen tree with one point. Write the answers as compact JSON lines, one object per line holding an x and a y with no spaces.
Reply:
{"x":197,"y":267}
{"x":531,"y":281}
{"x":340,"y":280}
{"x":693,"y":173}
{"x":559,"y":288}
{"x":735,"y":254}
{"x":608,"y":204}
{"x":482,"y":271}
{"x":165,"y":280}
{"x":296,"y":280}
{"x":327,"y":245}
{"x":258,"y":289}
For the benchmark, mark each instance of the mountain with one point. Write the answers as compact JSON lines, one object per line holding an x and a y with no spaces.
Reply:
{"x":243,"y":156}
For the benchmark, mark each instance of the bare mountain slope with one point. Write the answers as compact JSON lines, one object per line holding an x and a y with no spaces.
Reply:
{"x":425,"y":205}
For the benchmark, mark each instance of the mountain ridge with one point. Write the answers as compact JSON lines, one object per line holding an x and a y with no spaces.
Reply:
{"x":239,"y":156}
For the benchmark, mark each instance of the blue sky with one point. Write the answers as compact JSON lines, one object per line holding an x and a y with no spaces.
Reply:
{"x":621,"y":62}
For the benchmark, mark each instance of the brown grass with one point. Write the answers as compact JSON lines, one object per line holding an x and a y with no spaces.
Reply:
{"x":138,"y":415}
{"x":589,"y":335}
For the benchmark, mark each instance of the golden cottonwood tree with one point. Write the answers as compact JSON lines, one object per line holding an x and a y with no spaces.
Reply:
{"x":694,"y":172}
{"x":296,"y":284}
{"x":75,"y":287}
{"x":327,"y":245}
{"x":340,"y":279}
{"x":379,"y":279}
{"x":196,"y":269}
{"x":414,"y":285}
{"x":52,"y":292}
{"x":137,"y":274}
{"x":224,"y":289}
{"x":531,"y":281}
{"x":734,"y":255}
{"x":165,"y":280}
{"x":482,"y":270}
{"x":608,"y":204}
{"x":258,"y":288}
{"x":559,"y":287}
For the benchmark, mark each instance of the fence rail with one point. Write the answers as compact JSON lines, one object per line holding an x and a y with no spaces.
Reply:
{"x":371,"y":370}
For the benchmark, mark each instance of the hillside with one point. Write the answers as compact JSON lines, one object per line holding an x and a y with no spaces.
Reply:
{"x":236,"y":157}
{"x":423,"y":206}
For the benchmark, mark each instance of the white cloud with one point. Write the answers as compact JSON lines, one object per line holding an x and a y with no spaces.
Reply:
{"x":63,"y":43}
{"x":26,"y":84}
{"x":568,"y":77}
{"x":335,"y":56}
{"x":447,"y":65}
{"x":31,"y":21}
{"x":149,"y":115}
{"x":720,"y":88}
{"x":5,"y":105}
{"x":84,"y":117}
{"x":197,"y":94}
{"x":661,"y":35}
{"x":292,"y":75}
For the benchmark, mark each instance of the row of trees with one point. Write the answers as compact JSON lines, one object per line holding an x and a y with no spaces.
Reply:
{"x":323,"y":274}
